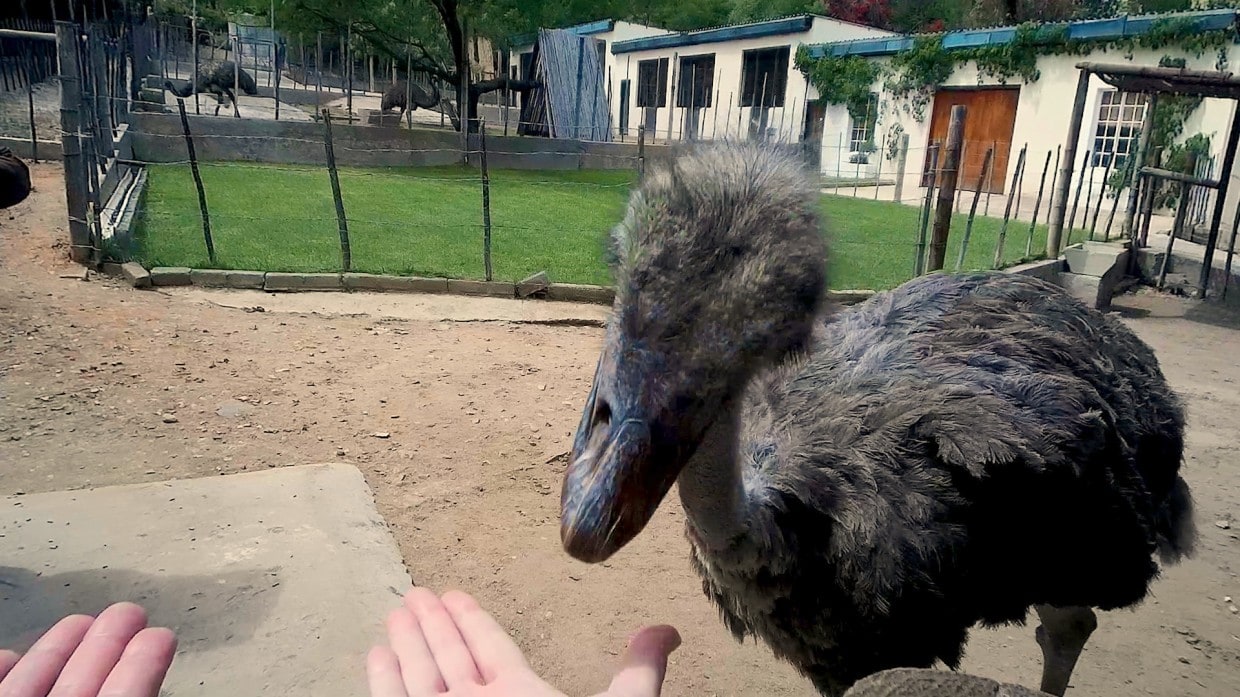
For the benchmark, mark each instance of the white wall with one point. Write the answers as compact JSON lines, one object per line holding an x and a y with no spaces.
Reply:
{"x":725,"y":118}
{"x":1042,"y":117}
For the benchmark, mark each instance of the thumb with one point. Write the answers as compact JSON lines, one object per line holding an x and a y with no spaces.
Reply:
{"x":644,"y":663}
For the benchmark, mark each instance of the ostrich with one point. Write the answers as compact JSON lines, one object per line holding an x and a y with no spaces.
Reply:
{"x":216,"y":79}
{"x":861,"y":489}
{"x":394,"y":97}
{"x":14,"y":179}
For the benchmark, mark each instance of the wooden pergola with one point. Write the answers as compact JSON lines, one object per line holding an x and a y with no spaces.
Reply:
{"x":1153,"y":82}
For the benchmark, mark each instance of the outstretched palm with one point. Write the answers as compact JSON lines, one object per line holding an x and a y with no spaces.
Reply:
{"x":451,"y":646}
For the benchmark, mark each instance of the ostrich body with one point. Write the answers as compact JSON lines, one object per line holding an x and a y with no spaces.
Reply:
{"x":216,"y":79}
{"x":861,"y":489}
{"x":15,"y":184}
{"x":394,"y":97}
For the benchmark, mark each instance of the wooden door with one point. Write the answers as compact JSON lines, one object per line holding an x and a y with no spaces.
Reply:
{"x":989,"y":123}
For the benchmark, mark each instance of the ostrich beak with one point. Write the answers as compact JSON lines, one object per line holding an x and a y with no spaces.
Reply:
{"x":619,"y":471}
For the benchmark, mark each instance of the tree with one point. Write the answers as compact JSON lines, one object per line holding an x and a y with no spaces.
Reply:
{"x":432,"y":35}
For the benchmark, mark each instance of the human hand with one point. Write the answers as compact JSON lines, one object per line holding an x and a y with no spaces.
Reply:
{"x":451,"y":646}
{"x":113,"y":655}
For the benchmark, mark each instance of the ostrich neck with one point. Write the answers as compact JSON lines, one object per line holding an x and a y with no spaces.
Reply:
{"x":712,"y":488}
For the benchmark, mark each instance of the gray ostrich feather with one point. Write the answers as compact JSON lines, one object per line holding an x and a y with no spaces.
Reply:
{"x":863,"y":485}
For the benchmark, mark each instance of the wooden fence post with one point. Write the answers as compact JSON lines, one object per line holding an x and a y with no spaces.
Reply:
{"x":70,"y":122}
{"x":982,"y":178}
{"x":947,"y":190}
{"x":1037,"y":206}
{"x":641,"y":149}
{"x":1076,"y":202}
{"x":202,"y":194}
{"x":34,"y":132}
{"x":919,"y":264}
{"x":346,"y":252}
{"x":901,"y":165}
{"x":486,"y":197}
{"x":1181,"y":214}
{"x":1017,"y":176}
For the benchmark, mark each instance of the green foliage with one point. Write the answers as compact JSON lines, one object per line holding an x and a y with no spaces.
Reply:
{"x":915,"y":74}
{"x":848,"y":80}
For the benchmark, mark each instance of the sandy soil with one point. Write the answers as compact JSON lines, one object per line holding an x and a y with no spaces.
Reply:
{"x":461,"y":428}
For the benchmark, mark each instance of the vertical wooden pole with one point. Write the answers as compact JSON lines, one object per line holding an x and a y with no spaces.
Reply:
{"x":193,"y":29}
{"x":1102,"y":194}
{"x":919,"y":264}
{"x":1019,"y":186}
{"x":486,"y":197}
{"x":276,"y":61}
{"x":236,"y":78}
{"x":1037,"y":206}
{"x":1054,"y":235}
{"x":901,"y":167}
{"x":346,"y":251}
{"x":1231,"y":253}
{"x":641,"y":149}
{"x":103,"y":110}
{"x":70,"y":123}
{"x":409,"y":89}
{"x":1142,"y":155}
{"x":202,"y":193}
{"x":1181,"y":214}
{"x":1076,"y":201}
{"x":1007,"y":211}
{"x":1106,"y":235}
{"x":947,"y":190}
{"x":982,"y":178}
{"x":1220,"y":198}
{"x":318,"y":72}
{"x":34,"y":130}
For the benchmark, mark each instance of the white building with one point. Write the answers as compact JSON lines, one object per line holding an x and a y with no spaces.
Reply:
{"x":605,"y":33}
{"x":728,"y":81}
{"x":1009,"y":117}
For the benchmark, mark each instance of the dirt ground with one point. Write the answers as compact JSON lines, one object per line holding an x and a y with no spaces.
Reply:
{"x":460,"y":429}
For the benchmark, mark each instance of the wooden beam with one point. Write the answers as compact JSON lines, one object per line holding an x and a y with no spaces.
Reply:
{"x":1054,"y":235}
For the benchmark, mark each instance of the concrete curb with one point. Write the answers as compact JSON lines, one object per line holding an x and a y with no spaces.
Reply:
{"x":280,"y":282}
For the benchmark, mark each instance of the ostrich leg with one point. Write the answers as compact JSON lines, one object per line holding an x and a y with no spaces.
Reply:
{"x":232,"y":97}
{"x":1062,"y":636}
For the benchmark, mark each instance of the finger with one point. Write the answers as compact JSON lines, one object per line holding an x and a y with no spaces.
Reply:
{"x":416,"y":665}
{"x":99,"y":651}
{"x":493,"y":649}
{"x":8,"y":659}
{"x":383,"y":673}
{"x":644,"y":664}
{"x":143,"y":665}
{"x":455,"y":663}
{"x":37,"y":671}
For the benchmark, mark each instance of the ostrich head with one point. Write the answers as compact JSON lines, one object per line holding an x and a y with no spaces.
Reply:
{"x":720,"y":271}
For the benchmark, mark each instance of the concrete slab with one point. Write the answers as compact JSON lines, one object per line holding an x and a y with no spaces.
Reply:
{"x":276,"y":582}
{"x":493,"y":289}
{"x":164,"y":276}
{"x":302,"y":281}
{"x":219,"y":278}
{"x":399,"y":306}
{"x":136,"y":274}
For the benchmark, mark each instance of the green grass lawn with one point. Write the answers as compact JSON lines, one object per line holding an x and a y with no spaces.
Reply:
{"x":428,"y":222}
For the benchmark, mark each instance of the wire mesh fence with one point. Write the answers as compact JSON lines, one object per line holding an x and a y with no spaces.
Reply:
{"x":510,"y":221}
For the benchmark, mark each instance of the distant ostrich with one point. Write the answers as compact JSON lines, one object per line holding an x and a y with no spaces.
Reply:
{"x":216,"y":79}
{"x":862,"y":489}
{"x":15,"y":184}
{"x":394,"y":97}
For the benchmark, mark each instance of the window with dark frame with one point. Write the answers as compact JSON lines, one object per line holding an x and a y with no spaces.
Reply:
{"x":652,"y":82}
{"x":624,"y":107}
{"x":764,"y":76}
{"x":696,"y":81}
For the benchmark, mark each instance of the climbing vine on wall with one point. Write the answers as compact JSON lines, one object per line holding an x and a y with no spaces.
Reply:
{"x":914,"y":74}
{"x":844,"y":80}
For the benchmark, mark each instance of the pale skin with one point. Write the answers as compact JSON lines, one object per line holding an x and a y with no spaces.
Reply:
{"x":437,"y":645}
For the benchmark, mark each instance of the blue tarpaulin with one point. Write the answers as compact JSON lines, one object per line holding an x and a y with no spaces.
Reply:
{"x":571,"y":100}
